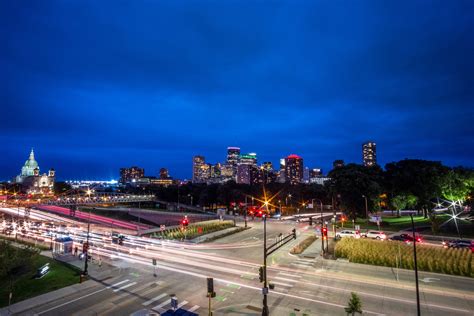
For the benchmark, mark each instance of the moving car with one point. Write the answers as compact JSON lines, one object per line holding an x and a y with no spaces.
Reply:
{"x":374,"y":234}
{"x":348,"y":233}
{"x":406,"y":238}
{"x":461,"y":244}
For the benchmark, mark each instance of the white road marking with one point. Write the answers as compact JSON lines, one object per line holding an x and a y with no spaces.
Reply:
{"x":125,"y":286}
{"x":194,"y":308}
{"x":182,"y":304}
{"x":166,"y":302}
{"x":284,"y":279}
{"x":79,"y":298}
{"x":290,"y":275}
{"x":154,"y":299}
{"x":282,"y":284}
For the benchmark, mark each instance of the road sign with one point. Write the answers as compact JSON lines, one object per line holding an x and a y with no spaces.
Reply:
{"x":357,"y":227}
{"x":162,"y":228}
{"x":376,"y":218}
{"x":264,"y":290}
{"x":174,"y":302}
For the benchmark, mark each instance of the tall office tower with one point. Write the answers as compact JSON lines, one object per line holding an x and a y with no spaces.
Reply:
{"x":127,"y":175}
{"x":215,"y":170}
{"x":306,"y":175}
{"x":233,"y":157}
{"x":338,"y":164}
{"x":315,"y":172}
{"x":293,"y":169}
{"x":369,"y":155}
{"x":164,"y":173}
{"x":248,"y":159}
{"x":248,"y":174}
{"x":201,"y":170}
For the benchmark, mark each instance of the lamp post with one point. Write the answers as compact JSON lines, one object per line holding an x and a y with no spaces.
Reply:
{"x":321,"y":206}
{"x":416,"y":267}
{"x":366,"y":212}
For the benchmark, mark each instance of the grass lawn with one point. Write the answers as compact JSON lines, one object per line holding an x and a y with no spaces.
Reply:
{"x":27,"y":286}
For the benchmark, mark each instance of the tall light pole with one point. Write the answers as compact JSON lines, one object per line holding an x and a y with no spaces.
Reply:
{"x":366,"y":212}
{"x":416,"y":267}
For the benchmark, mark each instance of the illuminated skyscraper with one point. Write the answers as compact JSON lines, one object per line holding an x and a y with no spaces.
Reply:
{"x":233,"y":154}
{"x":128,"y":175}
{"x":248,"y":159}
{"x":201,"y":170}
{"x":369,"y":155}
{"x":293,"y":169}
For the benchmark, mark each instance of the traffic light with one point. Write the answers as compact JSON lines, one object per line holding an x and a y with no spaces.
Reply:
{"x":311,"y":221}
{"x":210,"y":285}
{"x":85,"y":247}
{"x":294,"y":233}
{"x":120,"y":240}
{"x":185,"y":222}
{"x":260,"y":274}
{"x":325,"y":233}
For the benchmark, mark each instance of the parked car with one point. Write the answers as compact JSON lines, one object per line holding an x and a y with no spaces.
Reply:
{"x":348,"y":233}
{"x":374,"y":234}
{"x":406,"y":238}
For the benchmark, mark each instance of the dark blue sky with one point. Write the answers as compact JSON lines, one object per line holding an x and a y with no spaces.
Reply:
{"x":96,"y":85}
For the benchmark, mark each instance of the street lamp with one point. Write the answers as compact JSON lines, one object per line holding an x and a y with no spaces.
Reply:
{"x":366,"y":211}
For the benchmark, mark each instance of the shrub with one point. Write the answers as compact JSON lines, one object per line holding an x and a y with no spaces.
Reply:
{"x":303,"y":245}
{"x":430,"y":258}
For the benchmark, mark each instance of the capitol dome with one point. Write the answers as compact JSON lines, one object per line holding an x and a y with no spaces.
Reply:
{"x":30,"y":165}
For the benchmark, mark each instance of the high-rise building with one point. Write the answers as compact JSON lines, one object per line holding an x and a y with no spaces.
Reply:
{"x":128,"y":175}
{"x":233,"y":154}
{"x":315,"y":172}
{"x":369,"y":155}
{"x":248,"y":174}
{"x":201,"y":170}
{"x":293,"y":169}
{"x":338,"y":164}
{"x":306,"y":175}
{"x":227,"y":171}
{"x":248,"y":159}
{"x":164,"y":173}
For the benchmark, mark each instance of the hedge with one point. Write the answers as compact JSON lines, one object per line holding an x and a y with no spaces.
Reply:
{"x":303,"y":245}
{"x":389,"y":253}
{"x":195,"y":230}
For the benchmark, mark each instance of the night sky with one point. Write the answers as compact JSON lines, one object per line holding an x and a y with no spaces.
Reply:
{"x":95,"y":85}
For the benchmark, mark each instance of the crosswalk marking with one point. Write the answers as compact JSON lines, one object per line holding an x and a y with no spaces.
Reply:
{"x":114,"y":285}
{"x":290,"y":275}
{"x":284,"y":279}
{"x":306,"y":260}
{"x":302,"y":264}
{"x":182,"y":304}
{"x":282,"y":284}
{"x":194,"y":308}
{"x":154,"y":299}
{"x":125,"y":286}
{"x":161,"y":305}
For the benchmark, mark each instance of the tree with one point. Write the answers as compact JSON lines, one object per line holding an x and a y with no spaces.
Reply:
{"x":354,"y":305}
{"x":351,"y":183}
{"x":422,"y":178}
{"x":401,"y":201}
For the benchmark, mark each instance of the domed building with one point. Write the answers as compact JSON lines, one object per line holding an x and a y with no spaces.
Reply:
{"x":32,"y":181}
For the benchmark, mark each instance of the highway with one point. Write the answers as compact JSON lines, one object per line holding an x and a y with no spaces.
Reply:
{"x":302,"y":285}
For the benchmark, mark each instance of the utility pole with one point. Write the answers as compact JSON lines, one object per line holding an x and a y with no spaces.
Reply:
{"x":366,"y":212}
{"x":416,"y":267}
{"x":322,"y":224}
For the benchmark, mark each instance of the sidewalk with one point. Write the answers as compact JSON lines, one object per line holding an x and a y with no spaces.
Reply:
{"x":96,"y":274}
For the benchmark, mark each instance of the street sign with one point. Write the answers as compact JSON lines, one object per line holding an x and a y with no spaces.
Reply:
{"x":162,"y":228}
{"x":264,"y":290}
{"x":357,"y":227}
{"x":376,"y":218}
{"x":174,"y":302}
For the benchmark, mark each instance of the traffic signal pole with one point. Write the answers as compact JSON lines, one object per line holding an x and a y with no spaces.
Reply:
{"x":87,"y":242}
{"x":265,"y":281}
{"x":266,"y":252}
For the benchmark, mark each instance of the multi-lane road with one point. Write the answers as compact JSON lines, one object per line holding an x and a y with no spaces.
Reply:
{"x":303,"y":285}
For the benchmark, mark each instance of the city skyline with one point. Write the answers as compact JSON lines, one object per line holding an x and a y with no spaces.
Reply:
{"x":154,"y":92}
